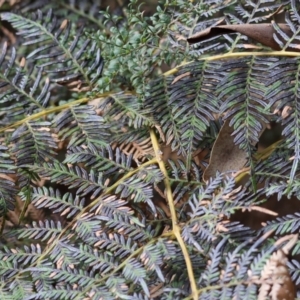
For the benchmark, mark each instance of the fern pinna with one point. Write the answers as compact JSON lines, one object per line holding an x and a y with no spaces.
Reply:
{"x":116,"y":178}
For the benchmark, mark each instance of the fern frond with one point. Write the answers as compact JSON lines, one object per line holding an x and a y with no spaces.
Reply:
{"x":211,"y":12}
{"x":136,"y":223}
{"x":283,"y":188}
{"x":184,"y":185}
{"x":150,"y":174}
{"x":287,"y":98}
{"x":180,"y":173}
{"x":152,"y":258}
{"x":266,"y":169}
{"x":33,"y":143}
{"x":87,"y":227}
{"x":68,"y":275}
{"x":104,"y":160}
{"x":184,"y":113}
{"x":121,"y":224}
{"x":75,"y":59}
{"x":115,"y":243}
{"x":81,"y":125}
{"x":20,"y":93}
{"x":242,"y":95}
{"x":294,"y":267}
{"x":228,"y":199}
{"x":44,"y":231}
{"x":251,"y":12}
{"x":231,"y":264}
{"x":123,"y":110}
{"x":118,"y":285}
{"x":134,"y":271}
{"x":73,"y":177}
{"x":283,"y":225}
{"x":136,"y":189}
{"x":14,"y":259}
{"x":50,"y":198}
{"x":8,"y":190}
{"x":136,"y":144}
{"x":6,"y":164}
{"x":284,"y":40}
{"x":240,"y":268}
{"x":20,"y":288}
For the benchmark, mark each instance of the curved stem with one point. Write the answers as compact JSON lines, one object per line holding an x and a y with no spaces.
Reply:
{"x":51,"y":110}
{"x":175,"y":227}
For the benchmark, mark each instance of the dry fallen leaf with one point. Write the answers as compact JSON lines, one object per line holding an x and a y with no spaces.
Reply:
{"x":262,"y":33}
{"x":226,"y":157}
{"x":180,"y":77}
{"x":276,"y":282}
{"x":287,"y":110}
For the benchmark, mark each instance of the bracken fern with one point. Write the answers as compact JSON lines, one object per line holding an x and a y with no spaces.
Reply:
{"x":108,"y":120}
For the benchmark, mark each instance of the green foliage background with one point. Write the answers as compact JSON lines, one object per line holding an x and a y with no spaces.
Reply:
{"x":93,"y":205}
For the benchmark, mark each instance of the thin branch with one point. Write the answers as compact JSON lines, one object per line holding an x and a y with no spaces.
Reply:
{"x":175,"y":227}
{"x":235,"y":54}
{"x":51,"y":110}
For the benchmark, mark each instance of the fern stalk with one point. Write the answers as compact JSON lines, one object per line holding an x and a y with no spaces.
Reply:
{"x":175,"y":227}
{"x":55,"y":109}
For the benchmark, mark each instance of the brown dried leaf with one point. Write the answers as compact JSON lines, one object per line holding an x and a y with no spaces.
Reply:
{"x":10,"y":35}
{"x":226,"y":157}
{"x":180,"y":77}
{"x":275,"y":280}
{"x":156,"y":290}
{"x":287,"y":110}
{"x":64,"y":24}
{"x":34,"y":213}
{"x":251,"y":46}
{"x":262,"y":210}
{"x":22,"y":62}
{"x":179,"y":37}
{"x":138,"y":150}
{"x":277,"y":283}
{"x":262,"y":33}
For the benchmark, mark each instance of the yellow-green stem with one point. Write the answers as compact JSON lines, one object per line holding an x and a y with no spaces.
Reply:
{"x":235,"y":54}
{"x":50,"y":110}
{"x":175,"y":227}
